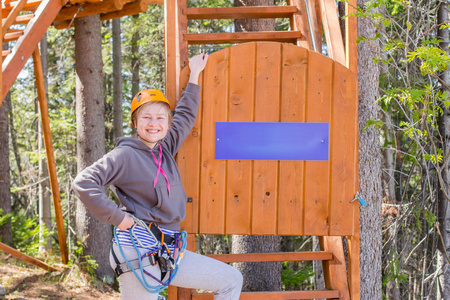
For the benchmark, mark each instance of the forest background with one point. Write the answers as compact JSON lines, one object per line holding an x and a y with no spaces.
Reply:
{"x":408,"y":49}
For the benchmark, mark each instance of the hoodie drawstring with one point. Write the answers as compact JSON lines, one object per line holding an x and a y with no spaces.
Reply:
{"x":160,"y":170}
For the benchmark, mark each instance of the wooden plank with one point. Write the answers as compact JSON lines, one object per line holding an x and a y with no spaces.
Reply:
{"x":344,"y":150}
{"x":299,"y":22}
{"x":335,"y":271}
{"x":172,"y":47}
{"x":12,"y":16}
{"x":243,"y":12}
{"x":317,"y":173}
{"x":276,"y":295}
{"x":26,"y":258}
{"x":267,"y":109}
{"x":213,"y":172}
{"x":25,"y":46}
{"x":351,"y":35}
{"x":333,"y":35}
{"x":268,"y":257}
{"x":293,"y":109}
{"x":188,"y":161}
{"x":242,"y":37}
{"x":182,"y":30}
{"x":68,"y":13}
{"x":127,"y":10}
{"x":316,"y":24}
{"x":354,"y":265}
{"x":13,"y":36}
{"x":51,"y":164}
{"x":240,"y":107}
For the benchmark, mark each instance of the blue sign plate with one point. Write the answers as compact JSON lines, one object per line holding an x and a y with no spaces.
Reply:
{"x":271,"y":141}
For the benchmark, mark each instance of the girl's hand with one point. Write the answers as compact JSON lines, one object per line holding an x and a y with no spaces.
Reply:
{"x":196,"y":65}
{"x":126,"y":223}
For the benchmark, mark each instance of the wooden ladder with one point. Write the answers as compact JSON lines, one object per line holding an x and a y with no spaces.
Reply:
{"x":307,"y":19}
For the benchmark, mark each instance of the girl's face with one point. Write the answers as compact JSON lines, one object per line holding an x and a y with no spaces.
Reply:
{"x":152,"y":123}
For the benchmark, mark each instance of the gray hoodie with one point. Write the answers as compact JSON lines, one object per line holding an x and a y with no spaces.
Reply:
{"x":130,"y":170}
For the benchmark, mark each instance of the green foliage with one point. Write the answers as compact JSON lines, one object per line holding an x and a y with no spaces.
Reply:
{"x":291,"y":278}
{"x":86,"y":263}
{"x":26,"y":234}
{"x":4,"y":218}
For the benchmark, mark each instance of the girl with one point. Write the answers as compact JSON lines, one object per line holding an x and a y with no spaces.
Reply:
{"x":143,"y":174}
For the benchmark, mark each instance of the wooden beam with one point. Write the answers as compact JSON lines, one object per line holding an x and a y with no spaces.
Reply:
{"x":12,"y":16}
{"x":31,"y":5}
{"x":26,"y":44}
{"x":351,"y":35}
{"x":332,"y":30}
{"x":335,"y":271}
{"x":276,"y":295}
{"x":12,"y":36}
{"x":40,"y":86}
{"x":88,"y":9}
{"x":316,"y":24}
{"x":243,"y":12}
{"x":26,"y":258}
{"x":269,"y":257}
{"x":242,"y":37}
{"x":127,"y":10}
{"x":299,"y":22}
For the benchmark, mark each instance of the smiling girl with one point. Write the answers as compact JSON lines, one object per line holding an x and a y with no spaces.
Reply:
{"x":142,"y":172}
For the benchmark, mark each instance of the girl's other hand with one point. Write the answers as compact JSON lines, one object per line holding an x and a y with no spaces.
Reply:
{"x":126,"y":223}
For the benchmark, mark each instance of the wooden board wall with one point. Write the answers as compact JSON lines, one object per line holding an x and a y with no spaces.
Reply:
{"x":272,"y":82}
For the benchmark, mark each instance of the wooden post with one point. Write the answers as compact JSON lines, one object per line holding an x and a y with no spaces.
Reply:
{"x":172,"y":47}
{"x":26,"y":258}
{"x":50,"y":154}
{"x":351,"y":33}
{"x":182,"y":27}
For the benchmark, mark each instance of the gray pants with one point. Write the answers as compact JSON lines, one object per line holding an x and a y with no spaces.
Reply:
{"x":195,"y":271}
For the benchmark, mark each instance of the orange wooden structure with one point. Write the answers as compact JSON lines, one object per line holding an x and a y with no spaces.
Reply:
{"x":273,"y":77}
{"x":267,"y":77}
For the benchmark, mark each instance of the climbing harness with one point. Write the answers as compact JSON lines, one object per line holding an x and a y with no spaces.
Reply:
{"x":167,"y":263}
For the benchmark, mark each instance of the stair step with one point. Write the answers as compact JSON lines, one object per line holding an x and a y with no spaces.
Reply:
{"x":242,"y":37}
{"x":25,"y":19}
{"x":319,"y":294}
{"x":12,"y":36}
{"x":269,"y":257}
{"x":5,"y":53}
{"x":31,"y":5}
{"x":243,"y":12}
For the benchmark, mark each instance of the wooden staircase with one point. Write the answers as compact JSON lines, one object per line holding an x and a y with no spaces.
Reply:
{"x":24,"y":24}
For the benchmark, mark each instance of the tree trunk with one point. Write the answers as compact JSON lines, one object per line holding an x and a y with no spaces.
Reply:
{"x":257,"y":276}
{"x":443,"y":202}
{"x":117,"y":79}
{"x":91,"y":134}
{"x":45,"y":210}
{"x":369,"y":165}
{"x":5,"y":193}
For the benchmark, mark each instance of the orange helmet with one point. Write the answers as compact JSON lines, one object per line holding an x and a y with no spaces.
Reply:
{"x":146,"y":96}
